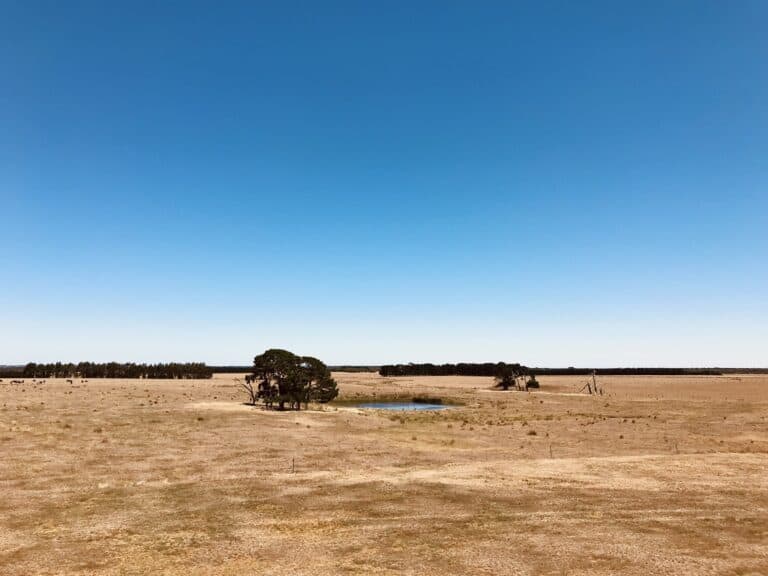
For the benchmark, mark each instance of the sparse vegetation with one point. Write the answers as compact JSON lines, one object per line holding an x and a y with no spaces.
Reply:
{"x":415,"y":481}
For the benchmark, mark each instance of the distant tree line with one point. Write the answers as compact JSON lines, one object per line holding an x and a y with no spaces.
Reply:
{"x":201,"y":370}
{"x":628,"y":371}
{"x":230,"y":369}
{"x":505,"y":375}
{"x":461,"y":369}
{"x":356,"y":369}
{"x":116,"y":370}
{"x":11,"y":371}
{"x":243,"y":369}
{"x":281,"y":380}
{"x":491,"y":369}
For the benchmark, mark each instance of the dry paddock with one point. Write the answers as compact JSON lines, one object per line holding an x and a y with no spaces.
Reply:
{"x":663,"y":475}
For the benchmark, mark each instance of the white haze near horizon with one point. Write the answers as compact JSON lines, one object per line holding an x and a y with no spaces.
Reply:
{"x":597,"y":344}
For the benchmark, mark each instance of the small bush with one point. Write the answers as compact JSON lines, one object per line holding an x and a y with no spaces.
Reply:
{"x":426,"y":400}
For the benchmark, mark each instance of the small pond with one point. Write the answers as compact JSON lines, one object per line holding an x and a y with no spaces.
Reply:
{"x":402,"y":406}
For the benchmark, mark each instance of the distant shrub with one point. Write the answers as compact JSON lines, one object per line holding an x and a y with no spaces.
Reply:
{"x":426,"y":400}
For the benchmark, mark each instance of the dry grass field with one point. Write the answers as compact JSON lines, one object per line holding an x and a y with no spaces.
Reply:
{"x":664,"y":475}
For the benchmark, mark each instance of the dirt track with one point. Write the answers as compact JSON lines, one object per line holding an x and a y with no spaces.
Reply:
{"x":665,"y":475}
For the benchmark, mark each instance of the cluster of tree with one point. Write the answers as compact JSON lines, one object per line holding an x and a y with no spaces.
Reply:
{"x":281,"y":378}
{"x":461,"y":369}
{"x":742,"y":370}
{"x":514,"y":376}
{"x":116,"y":370}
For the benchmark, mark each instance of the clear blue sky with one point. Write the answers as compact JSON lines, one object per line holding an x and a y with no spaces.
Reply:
{"x":554,"y":183}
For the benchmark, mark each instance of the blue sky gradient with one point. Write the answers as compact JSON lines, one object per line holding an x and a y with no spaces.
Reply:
{"x":552,"y":183}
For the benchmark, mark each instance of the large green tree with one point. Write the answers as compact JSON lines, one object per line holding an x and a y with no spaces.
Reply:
{"x":287,"y":380}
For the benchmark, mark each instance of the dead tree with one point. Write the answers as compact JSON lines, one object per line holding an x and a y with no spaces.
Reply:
{"x":597,"y":389}
{"x":248,"y":385}
{"x":592,"y":387}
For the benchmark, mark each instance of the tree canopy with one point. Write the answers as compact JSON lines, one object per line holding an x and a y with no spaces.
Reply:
{"x":282,"y":379}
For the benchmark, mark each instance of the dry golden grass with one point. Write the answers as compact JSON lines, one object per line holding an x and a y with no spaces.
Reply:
{"x":665,"y":475}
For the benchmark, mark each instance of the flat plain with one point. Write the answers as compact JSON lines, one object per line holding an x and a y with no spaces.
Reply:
{"x":662,"y":475}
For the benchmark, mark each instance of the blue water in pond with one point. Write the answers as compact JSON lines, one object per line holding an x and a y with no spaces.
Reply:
{"x":402,"y":406}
